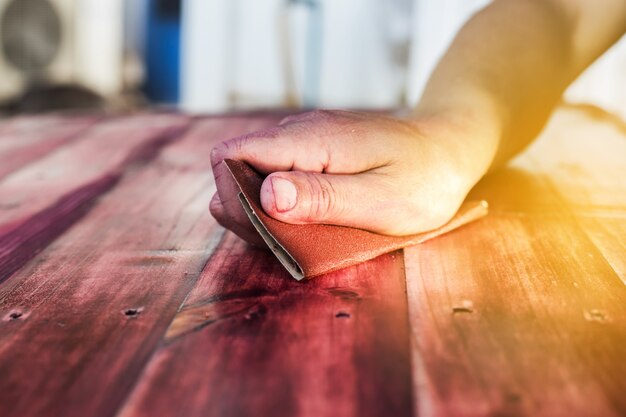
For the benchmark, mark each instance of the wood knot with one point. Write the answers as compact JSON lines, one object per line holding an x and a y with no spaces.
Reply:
{"x":133,"y":312}
{"x":466,"y":306}
{"x":255,"y":312}
{"x":595,"y":315}
{"x":15,"y":315}
{"x":344,"y":293}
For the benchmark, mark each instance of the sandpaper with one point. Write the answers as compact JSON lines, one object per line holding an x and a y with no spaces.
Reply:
{"x":315,"y":249}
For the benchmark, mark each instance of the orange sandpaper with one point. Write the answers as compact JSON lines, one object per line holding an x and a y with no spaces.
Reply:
{"x":315,"y":249}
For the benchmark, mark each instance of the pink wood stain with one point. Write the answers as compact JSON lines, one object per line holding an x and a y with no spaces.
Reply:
{"x":121,"y":296}
{"x":40,"y":201}
{"x":23,"y":141}
{"x":250,"y":340}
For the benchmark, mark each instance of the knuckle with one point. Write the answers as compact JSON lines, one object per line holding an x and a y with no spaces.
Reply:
{"x":240,"y":146}
{"x":326,"y":204}
{"x":240,"y":142}
{"x":215,"y":207}
{"x":219,"y":215}
{"x":323,"y":114}
{"x":218,"y":153}
{"x":227,"y":149}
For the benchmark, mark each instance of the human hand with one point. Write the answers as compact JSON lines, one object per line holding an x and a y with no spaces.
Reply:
{"x":382,"y":174}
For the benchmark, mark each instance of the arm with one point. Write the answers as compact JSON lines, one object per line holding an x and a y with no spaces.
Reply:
{"x":510,"y":64}
{"x":488,"y":98}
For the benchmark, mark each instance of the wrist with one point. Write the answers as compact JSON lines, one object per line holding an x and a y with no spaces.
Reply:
{"x":469,"y":133}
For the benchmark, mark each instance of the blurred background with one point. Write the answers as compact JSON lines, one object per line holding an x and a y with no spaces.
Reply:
{"x":213,"y":56}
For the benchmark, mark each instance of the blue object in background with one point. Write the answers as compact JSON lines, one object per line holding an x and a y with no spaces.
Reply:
{"x":162,"y":51}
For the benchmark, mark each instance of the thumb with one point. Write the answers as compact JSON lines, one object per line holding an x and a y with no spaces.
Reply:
{"x":307,"y":197}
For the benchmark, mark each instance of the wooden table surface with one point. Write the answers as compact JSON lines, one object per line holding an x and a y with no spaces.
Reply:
{"x":121,"y":296}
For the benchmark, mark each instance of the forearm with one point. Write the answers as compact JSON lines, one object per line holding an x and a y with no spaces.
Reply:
{"x":507,"y":69}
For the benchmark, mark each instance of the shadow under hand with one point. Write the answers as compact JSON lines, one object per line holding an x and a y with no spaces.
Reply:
{"x":518,"y":191}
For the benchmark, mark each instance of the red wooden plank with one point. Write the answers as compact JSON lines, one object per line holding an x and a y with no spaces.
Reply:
{"x":78,"y":323}
{"x":25,"y":140}
{"x":250,"y":340}
{"x":21,"y":122}
{"x":517,"y":315}
{"x":522,"y":313}
{"x":40,"y":201}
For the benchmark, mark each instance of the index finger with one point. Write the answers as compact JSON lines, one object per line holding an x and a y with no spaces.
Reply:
{"x":320,"y":142}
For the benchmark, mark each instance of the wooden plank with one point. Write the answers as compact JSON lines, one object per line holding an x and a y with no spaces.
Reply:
{"x":250,"y":340}
{"x":517,"y":315}
{"x":105,"y":149}
{"x":583,"y":159}
{"x":20,"y":122}
{"x":516,"y":190}
{"x":40,"y":201}
{"x":80,"y":321}
{"x":608,"y":233}
{"x":522,"y":313}
{"x":25,"y":140}
{"x":577,"y":166}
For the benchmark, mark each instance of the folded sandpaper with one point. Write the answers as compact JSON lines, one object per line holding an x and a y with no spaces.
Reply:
{"x":315,"y":249}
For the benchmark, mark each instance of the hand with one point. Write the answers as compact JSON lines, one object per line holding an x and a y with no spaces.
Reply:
{"x":386,"y":175}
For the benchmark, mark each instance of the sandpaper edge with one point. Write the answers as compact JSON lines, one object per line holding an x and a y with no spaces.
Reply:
{"x":468,"y":212}
{"x":274,"y":245}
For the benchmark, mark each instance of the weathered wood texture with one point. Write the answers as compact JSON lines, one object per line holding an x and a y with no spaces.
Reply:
{"x":584,"y":163}
{"x":81,"y":320}
{"x":140,"y":305}
{"x":250,"y":340}
{"x":41,"y":200}
{"x":23,"y":140}
{"x":524,"y":313}
{"x":96,"y":304}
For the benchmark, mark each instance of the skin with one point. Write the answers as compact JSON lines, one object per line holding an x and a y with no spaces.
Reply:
{"x":490,"y":95}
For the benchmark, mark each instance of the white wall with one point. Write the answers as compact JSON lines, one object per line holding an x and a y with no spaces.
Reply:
{"x":235,"y":54}
{"x":434,"y":25}
{"x":99,"y":44}
{"x":358,"y":67}
{"x":230,"y":55}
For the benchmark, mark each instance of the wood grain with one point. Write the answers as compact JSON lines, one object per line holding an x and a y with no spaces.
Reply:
{"x":533,"y":326}
{"x":24,"y":140}
{"x":608,"y":233}
{"x":41,"y":200}
{"x":524,"y":313}
{"x":585,"y":161}
{"x":80,"y":321}
{"x":250,"y":340}
{"x":140,"y":305}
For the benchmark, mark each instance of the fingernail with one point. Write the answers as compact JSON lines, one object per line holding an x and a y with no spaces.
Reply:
{"x":285,"y":194}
